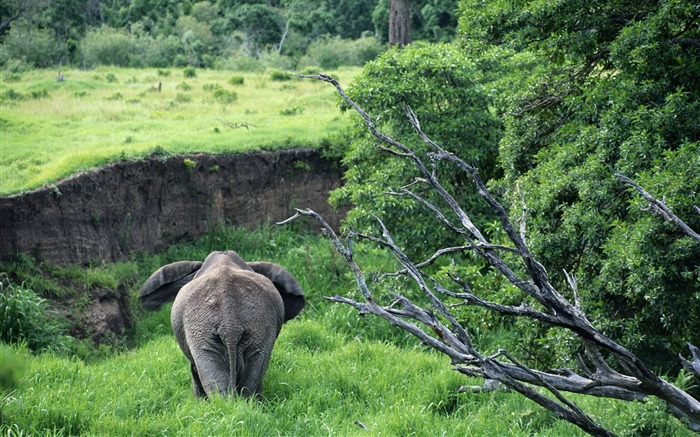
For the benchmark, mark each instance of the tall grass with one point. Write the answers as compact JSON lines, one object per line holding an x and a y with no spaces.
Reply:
{"x":50,"y":129}
{"x":332,"y":373}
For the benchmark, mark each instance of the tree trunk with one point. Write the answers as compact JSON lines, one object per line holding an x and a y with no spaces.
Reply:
{"x":399,"y":23}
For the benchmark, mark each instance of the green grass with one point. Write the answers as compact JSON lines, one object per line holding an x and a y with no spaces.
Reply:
{"x":50,"y":130}
{"x":330,"y":368}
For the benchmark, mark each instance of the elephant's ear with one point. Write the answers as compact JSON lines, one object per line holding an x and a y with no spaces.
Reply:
{"x":162,"y":286}
{"x":288,"y":287}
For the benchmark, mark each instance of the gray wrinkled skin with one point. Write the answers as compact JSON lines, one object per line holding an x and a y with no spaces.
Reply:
{"x":226,"y":316}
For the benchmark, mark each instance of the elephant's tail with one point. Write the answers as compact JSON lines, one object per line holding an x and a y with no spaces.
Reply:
{"x":163,"y":285}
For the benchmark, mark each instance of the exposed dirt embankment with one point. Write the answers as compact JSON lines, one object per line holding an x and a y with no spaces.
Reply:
{"x":146,"y":205}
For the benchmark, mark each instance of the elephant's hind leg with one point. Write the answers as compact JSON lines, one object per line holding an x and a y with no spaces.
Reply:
{"x":213,"y":370}
{"x":250,"y":381}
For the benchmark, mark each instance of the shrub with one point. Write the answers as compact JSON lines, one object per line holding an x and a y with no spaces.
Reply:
{"x":236,"y":80}
{"x":224,"y":96}
{"x":23,"y":319}
{"x":106,"y":46}
{"x":335,"y":52}
{"x":189,"y":72}
{"x":280,"y":76}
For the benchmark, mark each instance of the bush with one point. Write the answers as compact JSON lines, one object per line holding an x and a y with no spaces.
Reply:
{"x":224,"y":96}
{"x":106,"y":46}
{"x":189,"y":72}
{"x":334,"y":52}
{"x":236,"y":80}
{"x":280,"y":76}
{"x":23,"y":319}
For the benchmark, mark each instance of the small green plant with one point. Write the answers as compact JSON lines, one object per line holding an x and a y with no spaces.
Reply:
{"x":280,"y":76}
{"x":13,"y":77}
{"x":224,"y":96}
{"x":183,"y":86}
{"x":182,"y":98}
{"x":97,"y":220}
{"x":189,"y":72}
{"x":111,"y":78}
{"x":211,"y":86}
{"x":302,"y":165}
{"x":11,"y":94}
{"x":158,"y":151}
{"x":214,"y":169}
{"x":296,"y":110}
{"x":55,"y":191}
{"x":115,"y":97}
{"x":189,"y":164}
{"x":311,"y":69}
{"x":39,"y":94}
{"x":236,"y":80}
{"x":163,"y":73}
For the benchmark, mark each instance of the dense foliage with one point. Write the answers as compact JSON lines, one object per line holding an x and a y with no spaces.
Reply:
{"x":443,"y":88}
{"x":613,"y":87}
{"x":161,"y":33}
{"x":621,"y":93}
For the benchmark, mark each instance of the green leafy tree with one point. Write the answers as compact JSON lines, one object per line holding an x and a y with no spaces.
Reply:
{"x":443,"y":88}
{"x":620,"y":93}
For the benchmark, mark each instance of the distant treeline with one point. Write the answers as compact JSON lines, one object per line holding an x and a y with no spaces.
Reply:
{"x":163,"y":33}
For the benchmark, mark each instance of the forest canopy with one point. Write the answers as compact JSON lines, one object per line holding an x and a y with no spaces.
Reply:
{"x":163,"y":33}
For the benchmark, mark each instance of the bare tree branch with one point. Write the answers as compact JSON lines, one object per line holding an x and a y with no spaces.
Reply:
{"x":660,"y":208}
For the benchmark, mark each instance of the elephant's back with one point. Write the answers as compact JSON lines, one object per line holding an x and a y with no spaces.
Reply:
{"x":229,"y":296}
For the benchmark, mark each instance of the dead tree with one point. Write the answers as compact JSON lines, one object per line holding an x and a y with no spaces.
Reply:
{"x":626,"y":377}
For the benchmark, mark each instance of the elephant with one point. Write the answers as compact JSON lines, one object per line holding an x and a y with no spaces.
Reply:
{"x":226,"y":317}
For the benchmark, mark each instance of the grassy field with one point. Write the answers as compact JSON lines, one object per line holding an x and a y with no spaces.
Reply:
{"x":51,"y":129}
{"x":332,"y":373}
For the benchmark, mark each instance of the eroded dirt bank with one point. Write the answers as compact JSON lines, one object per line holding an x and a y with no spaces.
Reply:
{"x":104,"y":214}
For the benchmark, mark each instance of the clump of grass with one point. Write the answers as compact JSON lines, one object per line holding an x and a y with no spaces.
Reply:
{"x":182,"y":98}
{"x":23,"y":320}
{"x":183,"y":86}
{"x":236,"y":80}
{"x":224,"y":96}
{"x":280,"y":76}
{"x":296,"y":110}
{"x":189,"y":72}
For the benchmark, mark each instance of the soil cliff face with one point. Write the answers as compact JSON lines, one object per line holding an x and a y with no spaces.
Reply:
{"x":146,"y":205}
